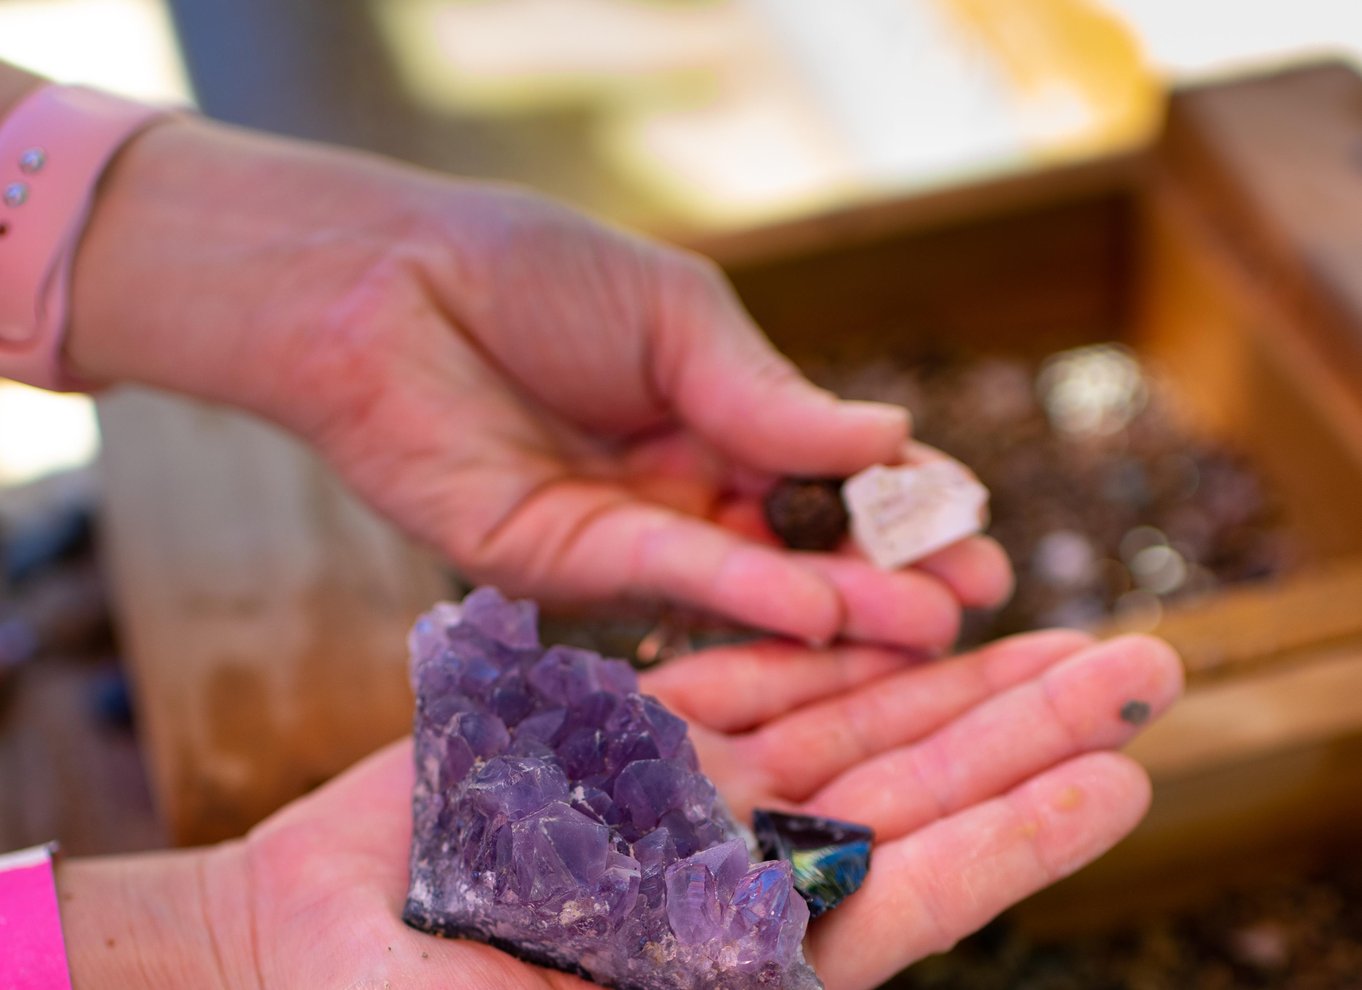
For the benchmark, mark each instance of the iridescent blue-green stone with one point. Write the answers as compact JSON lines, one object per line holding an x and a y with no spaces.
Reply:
{"x":830,"y":858}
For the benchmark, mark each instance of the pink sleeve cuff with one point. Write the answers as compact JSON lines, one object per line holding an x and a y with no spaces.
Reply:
{"x":34,"y":952}
{"x":54,"y":146}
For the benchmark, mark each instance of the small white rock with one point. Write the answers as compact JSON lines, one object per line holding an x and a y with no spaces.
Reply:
{"x":901,"y":514}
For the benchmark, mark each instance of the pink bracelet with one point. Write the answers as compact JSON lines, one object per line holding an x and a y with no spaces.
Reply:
{"x":34,"y":952}
{"x":54,"y":146}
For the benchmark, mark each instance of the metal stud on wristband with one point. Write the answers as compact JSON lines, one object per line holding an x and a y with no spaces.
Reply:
{"x":34,"y":956}
{"x":54,"y":146}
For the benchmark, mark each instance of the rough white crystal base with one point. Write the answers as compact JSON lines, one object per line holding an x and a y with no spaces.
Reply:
{"x":901,"y":514}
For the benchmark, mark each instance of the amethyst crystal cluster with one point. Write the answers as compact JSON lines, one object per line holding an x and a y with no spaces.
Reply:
{"x":562,"y":816}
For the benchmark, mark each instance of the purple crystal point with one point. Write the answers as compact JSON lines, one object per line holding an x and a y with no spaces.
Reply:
{"x":560,"y":815}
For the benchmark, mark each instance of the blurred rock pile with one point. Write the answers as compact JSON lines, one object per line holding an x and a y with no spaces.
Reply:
{"x":1294,"y":933}
{"x":1104,"y":501}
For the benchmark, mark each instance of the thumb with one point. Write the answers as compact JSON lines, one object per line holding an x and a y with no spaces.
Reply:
{"x":727,"y":382}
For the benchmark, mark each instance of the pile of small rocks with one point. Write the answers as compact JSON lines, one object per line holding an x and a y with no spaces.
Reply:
{"x":1105,"y":502}
{"x":1295,"y":933}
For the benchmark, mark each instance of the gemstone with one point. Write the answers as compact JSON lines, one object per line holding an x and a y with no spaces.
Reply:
{"x":901,"y":514}
{"x":807,"y":513}
{"x":561,"y":816}
{"x":830,"y":858}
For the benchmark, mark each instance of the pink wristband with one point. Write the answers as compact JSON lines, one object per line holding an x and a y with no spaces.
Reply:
{"x":34,"y":952}
{"x":54,"y":146}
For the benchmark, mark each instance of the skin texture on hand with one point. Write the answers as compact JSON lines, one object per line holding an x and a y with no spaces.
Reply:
{"x":15,"y":84}
{"x":985,"y":777}
{"x":565,"y":410}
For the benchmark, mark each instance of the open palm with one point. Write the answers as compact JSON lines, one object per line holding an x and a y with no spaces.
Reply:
{"x":984,"y":777}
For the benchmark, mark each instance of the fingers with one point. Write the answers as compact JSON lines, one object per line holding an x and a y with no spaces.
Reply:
{"x":581,"y":541}
{"x":805,"y":750}
{"x":675,"y":556}
{"x":926,"y":891}
{"x":729,"y":384}
{"x":919,"y":605}
{"x":976,"y":571}
{"x":814,"y":597}
{"x":1076,"y":706}
{"x":732,"y":689}
{"x":576,"y":539}
{"x":907,"y":608}
{"x":363,"y":810}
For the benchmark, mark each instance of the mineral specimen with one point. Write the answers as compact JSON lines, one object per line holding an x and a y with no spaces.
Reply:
{"x":830,"y":858}
{"x":901,"y":514}
{"x":807,"y":513}
{"x":560,"y":815}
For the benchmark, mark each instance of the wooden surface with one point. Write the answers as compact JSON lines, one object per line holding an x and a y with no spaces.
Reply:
{"x":1267,"y":625}
{"x":1257,"y":182}
{"x":985,"y":203}
{"x":1246,"y":369}
{"x":1029,"y":281}
{"x":70,"y":764}
{"x":1260,"y":766}
{"x":263,"y":610}
{"x":1273,"y":709}
{"x":66,"y":773}
{"x":1276,"y":162}
{"x":1255,"y":773}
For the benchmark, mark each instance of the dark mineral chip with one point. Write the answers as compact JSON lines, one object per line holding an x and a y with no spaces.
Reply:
{"x":830,"y":857}
{"x":807,"y":513}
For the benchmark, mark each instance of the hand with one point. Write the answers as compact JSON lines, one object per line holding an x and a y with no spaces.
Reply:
{"x":985,"y":778}
{"x":567,"y":411}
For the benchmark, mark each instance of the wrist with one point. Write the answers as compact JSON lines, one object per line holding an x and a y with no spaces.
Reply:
{"x":15,"y":84}
{"x":55,"y":144}
{"x":158,"y":921}
{"x":116,"y":333}
{"x":213,"y":256}
{"x":30,"y":921}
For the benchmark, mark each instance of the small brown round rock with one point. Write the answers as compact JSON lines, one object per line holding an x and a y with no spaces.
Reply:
{"x":807,"y":513}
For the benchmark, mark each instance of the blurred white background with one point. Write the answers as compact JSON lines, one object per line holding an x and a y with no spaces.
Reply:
{"x":736,"y":111}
